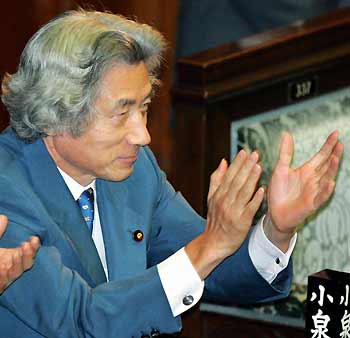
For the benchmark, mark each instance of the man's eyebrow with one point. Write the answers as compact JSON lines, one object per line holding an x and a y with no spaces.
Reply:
{"x":124,"y":102}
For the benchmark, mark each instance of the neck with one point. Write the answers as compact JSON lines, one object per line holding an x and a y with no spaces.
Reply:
{"x":69,"y":169}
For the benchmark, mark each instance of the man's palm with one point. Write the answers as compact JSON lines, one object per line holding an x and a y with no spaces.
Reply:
{"x":294,"y":194}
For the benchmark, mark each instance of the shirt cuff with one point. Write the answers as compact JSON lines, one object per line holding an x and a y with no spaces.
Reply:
{"x":268,"y":260}
{"x":181,"y":283}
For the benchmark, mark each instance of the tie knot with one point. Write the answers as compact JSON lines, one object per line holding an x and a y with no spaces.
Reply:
{"x":86,"y":204}
{"x":87,"y":195}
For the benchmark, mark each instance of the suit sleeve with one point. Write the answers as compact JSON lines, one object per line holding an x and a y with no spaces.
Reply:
{"x":235,"y":280}
{"x":56,"y":302}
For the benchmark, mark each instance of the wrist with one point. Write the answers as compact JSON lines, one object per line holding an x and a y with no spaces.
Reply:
{"x":280,"y":238}
{"x":203,"y":255}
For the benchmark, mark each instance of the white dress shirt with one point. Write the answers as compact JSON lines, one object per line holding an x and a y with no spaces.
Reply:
{"x":267,"y":258}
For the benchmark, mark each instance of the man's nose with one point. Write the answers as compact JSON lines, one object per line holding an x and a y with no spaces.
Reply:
{"x":139,"y":134}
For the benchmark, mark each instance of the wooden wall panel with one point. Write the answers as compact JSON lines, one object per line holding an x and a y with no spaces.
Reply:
{"x":16,"y":27}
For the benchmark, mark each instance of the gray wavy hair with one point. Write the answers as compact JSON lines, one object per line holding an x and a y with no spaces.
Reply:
{"x":57,"y":79}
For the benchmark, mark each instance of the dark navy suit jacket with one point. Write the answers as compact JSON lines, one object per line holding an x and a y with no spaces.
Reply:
{"x":65,"y":294}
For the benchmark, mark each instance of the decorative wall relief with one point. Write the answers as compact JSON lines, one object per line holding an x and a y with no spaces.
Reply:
{"x":324,"y":239}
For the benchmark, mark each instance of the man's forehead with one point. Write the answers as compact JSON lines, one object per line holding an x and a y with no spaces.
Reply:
{"x":126,"y":100}
{"x":128,"y":97}
{"x":125,"y":84}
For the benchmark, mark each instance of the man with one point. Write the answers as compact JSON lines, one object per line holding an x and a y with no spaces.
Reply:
{"x":123,"y":254}
{"x":14,"y":261}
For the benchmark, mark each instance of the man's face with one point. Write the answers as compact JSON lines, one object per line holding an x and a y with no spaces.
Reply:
{"x":109,"y":148}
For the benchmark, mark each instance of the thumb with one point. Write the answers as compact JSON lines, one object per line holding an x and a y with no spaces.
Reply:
{"x":286,"y":150}
{"x":3,"y":224}
{"x":216,"y":178}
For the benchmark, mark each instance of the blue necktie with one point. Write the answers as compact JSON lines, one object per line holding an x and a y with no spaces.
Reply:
{"x":86,"y":204}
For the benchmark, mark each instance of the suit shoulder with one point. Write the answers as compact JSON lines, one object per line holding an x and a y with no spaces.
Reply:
{"x":146,"y":154}
{"x":10,"y":148}
{"x":14,"y":178}
{"x":147,"y":163}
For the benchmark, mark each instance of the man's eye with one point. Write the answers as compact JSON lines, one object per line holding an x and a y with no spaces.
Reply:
{"x":120,"y":113}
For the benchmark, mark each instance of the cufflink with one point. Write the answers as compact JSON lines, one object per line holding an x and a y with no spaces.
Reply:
{"x":279,"y":262}
{"x":187,"y":300}
{"x":155,"y":333}
{"x":138,"y":235}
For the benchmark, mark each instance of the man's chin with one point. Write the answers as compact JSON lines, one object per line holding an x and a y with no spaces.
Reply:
{"x":119,"y":175}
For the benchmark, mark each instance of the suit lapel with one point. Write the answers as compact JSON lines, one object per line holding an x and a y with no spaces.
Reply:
{"x":55,"y":195}
{"x":125,"y":256}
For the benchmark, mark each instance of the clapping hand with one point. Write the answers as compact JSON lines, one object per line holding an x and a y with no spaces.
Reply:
{"x":14,"y":261}
{"x":233,"y":201}
{"x":294,"y":194}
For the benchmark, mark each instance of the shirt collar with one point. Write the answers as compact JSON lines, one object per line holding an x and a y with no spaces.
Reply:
{"x":74,"y":187}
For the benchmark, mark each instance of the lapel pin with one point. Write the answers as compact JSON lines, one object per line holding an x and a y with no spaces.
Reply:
{"x":138,"y":235}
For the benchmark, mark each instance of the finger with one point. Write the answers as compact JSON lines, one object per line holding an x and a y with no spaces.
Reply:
{"x":3,"y":224}
{"x":286,"y":150}
{"x":17,"y":266}
{"x":28,"y":255}
{"x":233,"y":169}
{"x":5,"y":266}
{"x":253,"y":206}
{"x":242,"y":176}
{"x":338,"y":150}
{"x":3,"y":277}
{"x":329,"y":169}
{"x":216,"y":178}
{"x":34,"y":243}
{"x":323,"y":170}
{"x":248,"y":189}
{"x":327,"y":188}
{"x":333,"y":168}
{"x":326,"y":150}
